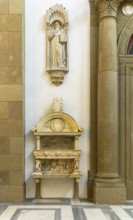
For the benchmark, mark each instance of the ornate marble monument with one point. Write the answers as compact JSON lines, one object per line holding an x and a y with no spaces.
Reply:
{"x":57,"y":154}
{"x":57,"y":43}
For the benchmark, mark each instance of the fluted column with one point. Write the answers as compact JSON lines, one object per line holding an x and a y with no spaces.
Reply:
{"x":108,"y":186}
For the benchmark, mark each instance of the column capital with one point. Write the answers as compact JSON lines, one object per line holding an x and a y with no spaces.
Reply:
{"x":107,"y":8}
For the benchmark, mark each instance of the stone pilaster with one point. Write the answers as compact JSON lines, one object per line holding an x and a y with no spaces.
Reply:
{"x":12,"y":185}
{"x":108,"y":187}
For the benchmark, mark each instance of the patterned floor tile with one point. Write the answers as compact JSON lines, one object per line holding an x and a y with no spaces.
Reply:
{"x":66,"y":212}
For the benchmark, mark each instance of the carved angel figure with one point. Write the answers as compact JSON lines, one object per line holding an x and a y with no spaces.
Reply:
{"x":38,"y":166}
{"x":58,"y":41}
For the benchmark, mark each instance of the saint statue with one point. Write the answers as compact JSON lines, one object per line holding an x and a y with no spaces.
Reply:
{"x":58,"y":41}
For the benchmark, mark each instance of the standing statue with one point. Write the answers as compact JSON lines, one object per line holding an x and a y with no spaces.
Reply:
{"x":58,"y":38}
{"x":57,"y":43}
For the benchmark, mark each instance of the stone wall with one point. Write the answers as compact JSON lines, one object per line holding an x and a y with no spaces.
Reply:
{"x":11,"y":102}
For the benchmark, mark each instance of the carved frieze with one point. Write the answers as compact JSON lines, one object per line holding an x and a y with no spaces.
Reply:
{"x":58,"y":166}
{"x":57,"y":43}
{"x":57,"y":153}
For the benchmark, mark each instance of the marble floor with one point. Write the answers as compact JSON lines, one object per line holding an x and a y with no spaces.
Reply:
{"x":59,"y":209}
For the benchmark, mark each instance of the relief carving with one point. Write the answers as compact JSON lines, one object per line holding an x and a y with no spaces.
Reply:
{"x":58,"y":166}
{"x":57,"y":43}
{"x":57,"y":125}
{"x":38,"y":166}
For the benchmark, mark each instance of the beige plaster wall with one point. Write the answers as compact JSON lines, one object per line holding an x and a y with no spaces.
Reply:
{"x":11,"y":102}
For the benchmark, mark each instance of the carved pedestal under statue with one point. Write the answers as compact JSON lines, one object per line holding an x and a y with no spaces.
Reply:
{"x":57,"y":154}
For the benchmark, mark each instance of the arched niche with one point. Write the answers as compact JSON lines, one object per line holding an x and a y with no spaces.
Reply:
{"x":124,"y":38}
{"x":125,"y":59}
{"x":130,"y":46}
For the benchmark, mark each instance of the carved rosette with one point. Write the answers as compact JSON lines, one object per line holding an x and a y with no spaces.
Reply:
{"x":107,"y":7}
{"x":57,"y":43}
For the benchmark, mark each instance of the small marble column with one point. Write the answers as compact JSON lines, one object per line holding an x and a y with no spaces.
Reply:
{"x":76,"y":189}
{"x":38,"y":188}
{"x":108,"y":187}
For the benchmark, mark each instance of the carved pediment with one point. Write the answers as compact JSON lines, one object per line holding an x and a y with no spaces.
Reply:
{"x":57,"y":121}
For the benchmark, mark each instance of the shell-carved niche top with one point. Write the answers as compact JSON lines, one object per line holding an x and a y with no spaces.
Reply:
{"x":57,"y":122}
{"x":57,"y":13}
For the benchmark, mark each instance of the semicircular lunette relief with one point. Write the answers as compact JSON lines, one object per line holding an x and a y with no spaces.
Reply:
{"x":57,"y":125}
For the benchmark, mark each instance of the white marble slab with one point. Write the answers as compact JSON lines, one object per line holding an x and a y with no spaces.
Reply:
{"x":8,"y":213}
{"x":75,"y":202}
{"x":53,"y":212}
{"x":127,"y":206}
{"x":80,"y":202}
{"x":121,"y":213}
{"x":36,"y":215}
{"x":66,"y":213}
{"x":94,"y":214}
{"x":47,"y":200}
